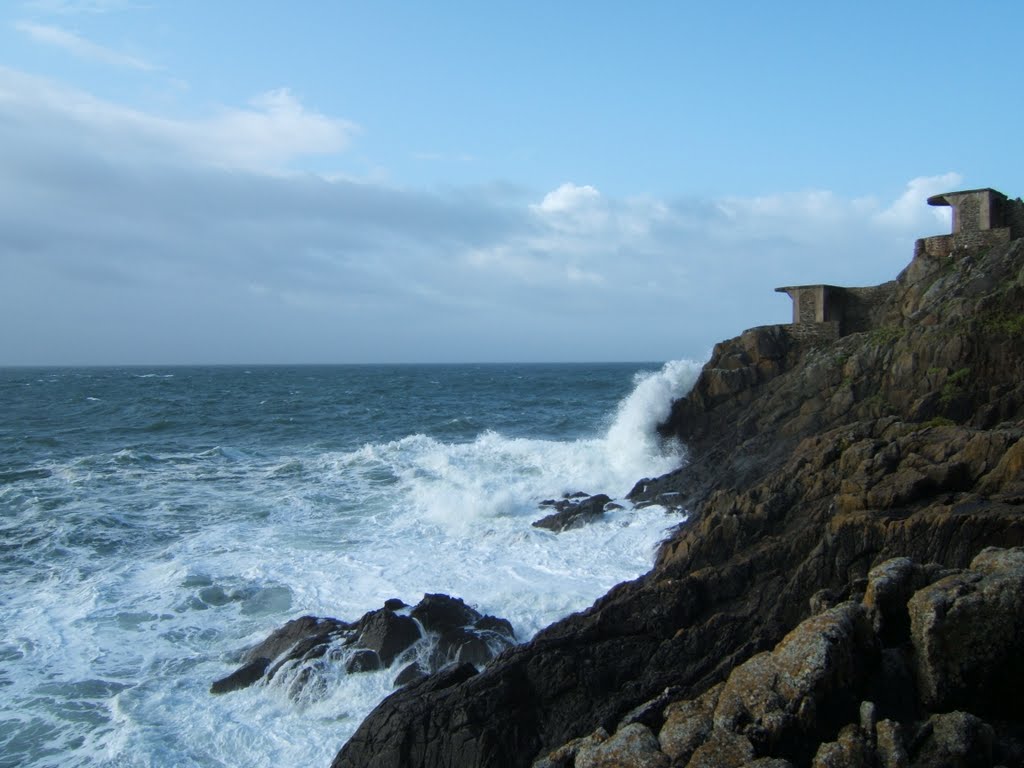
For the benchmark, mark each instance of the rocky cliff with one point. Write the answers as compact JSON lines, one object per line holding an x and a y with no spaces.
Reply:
{"x":832,"y":599}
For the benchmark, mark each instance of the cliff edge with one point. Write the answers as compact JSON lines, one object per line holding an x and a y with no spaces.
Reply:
{"x":833,"y":599}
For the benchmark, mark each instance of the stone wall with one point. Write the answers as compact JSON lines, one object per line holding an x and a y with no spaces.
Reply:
{"x":1013,"y":215}
{"x":865,"y":308}
{"x":812,"y":333}
{"x":947,"y":245}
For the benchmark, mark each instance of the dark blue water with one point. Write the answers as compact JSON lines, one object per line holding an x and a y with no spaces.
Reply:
{"x":155,"y":521}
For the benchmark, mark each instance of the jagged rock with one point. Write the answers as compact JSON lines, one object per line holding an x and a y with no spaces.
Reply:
{"x":954,"y":739}
{"x":723,"y":749}
{"x":776,"y":699}
{"x":849,"y":750}
{"x":688,"y":725}
{"x":575,"y":514}
{"x":633,"y":746}
{"x":305,"y":648}
{"x":890,"y":749}
{"x":387,"y":633}
{"x":565,"y":755}
{"x":968,"y":635}
{"x":439,"y":613}
{"x":363,"y":661}
{"x":411,"y":673}
{"x":808,"y":465}
{"x":242,"y":677}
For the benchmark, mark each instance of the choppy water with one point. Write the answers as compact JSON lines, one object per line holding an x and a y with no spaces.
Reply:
{"x":155,"y":521}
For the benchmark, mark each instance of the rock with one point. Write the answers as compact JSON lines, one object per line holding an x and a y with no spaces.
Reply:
{"x":303,"y":649}
{"x":955,"y":739}
{"x":688,"y":725}
{"x":439,"y":613}
{"x":411,"y":673}
{"x":242,"y":677}
{"x":890,"y":586}
{"x":387,"y":633}
{"x":847,"y":751}
{"x":779,"y":698}
{"x":565,"y":755}
{"x":890,"y":750}
{"x":633,"y":746}
{"x":724,"y":749}
{"x":575,"y":514}
{"x":809,"y":465}
{"x":363,"y":661}
{"x":968,"y":636}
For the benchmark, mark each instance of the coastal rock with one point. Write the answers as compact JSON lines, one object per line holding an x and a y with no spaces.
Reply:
{"x":968,"y":636}
{"x":633,"y":746}
{"x":866,"y":472}
{"x":573,"y":513}
{"x":304,"y":649}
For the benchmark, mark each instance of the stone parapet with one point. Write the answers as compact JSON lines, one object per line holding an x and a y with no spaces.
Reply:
{"x":941,"y":246}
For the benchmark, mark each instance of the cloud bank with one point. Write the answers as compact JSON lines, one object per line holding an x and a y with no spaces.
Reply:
{"x":128,"y":237}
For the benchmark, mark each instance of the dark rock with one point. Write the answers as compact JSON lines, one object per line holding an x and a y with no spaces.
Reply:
{"x":411,"y":673}
{"x":439,"y":613}
{"x":394,"y":604}
{"x":387,"y":633}
{"x":496,"y":625}
{"x":363,"y":661}
{"x":575,"y":514}
{"x":242,"y":677}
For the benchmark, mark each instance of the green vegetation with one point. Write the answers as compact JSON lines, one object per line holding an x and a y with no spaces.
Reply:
{"x":939,"y":421}
{"x":1002,"y":323}
{"x":955,"y":385}
{"x":885,"y":335}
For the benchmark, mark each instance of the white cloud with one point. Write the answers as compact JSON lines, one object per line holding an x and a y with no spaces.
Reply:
{"x":272,"y":131}
{"x":911,"y":208}
{"x":567,"y":198}
{"x":79,"y":46}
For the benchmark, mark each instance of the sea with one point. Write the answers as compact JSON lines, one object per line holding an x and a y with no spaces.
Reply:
{"x":155,"y":522}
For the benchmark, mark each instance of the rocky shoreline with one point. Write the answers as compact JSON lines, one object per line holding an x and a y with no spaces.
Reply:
{"x":832,"y":600}
{"x":845,"y":591}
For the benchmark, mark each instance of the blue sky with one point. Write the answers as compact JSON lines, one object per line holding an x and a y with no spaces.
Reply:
{"x":195,"y":182}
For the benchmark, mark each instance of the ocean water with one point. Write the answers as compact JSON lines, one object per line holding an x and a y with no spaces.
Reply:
{"x":154,"y":522}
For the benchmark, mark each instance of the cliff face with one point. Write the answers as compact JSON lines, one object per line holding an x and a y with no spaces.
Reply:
{"x":809,"y":466}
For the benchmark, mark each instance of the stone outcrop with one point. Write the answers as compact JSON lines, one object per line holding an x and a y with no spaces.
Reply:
{"x":842,"y":500}
{"x":304,"y":650}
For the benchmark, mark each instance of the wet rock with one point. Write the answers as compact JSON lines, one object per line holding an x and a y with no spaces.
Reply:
{"x":575,"y":514}
{"x":439,"y":613}
{"x":304,"y":649}
{"x":411,"y":673}
{"x":363,"y":661}
{"x":242,"y":677}
{"x":387,"y":633}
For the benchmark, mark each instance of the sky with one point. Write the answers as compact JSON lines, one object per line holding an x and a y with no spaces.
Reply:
{"x":187,"y":182}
